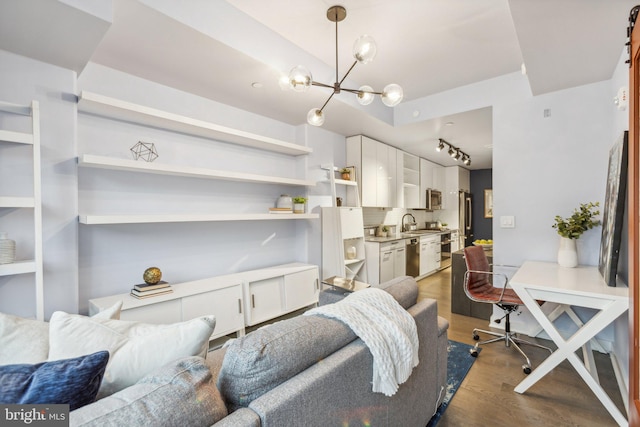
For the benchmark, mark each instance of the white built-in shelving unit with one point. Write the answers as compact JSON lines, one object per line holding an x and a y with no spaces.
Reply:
{"x":33,"y":202}
{"x":411,"y":181}
{"x":350,"y":185}
{"x":105,"y":106}
{"x":108,"y":107}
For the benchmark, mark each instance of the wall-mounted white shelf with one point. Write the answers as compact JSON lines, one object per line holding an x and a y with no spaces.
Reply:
{"x":17,"y":137}
{"x":17,"y":202}
{"x":147,"y":219}
{"x":33,"y":202}
{"x":18,"y":267}
{"x":112,"y":163}
{"x":105,"y":106}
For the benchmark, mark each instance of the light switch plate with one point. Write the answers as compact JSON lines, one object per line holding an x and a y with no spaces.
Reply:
{"x":508,"y":221}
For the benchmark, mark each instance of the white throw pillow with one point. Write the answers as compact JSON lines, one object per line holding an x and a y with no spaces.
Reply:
{"x":27,"y":340}
{"x":135,"y":348}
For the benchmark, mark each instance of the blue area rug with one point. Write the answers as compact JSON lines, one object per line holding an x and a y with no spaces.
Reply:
{"x":459,"y":362}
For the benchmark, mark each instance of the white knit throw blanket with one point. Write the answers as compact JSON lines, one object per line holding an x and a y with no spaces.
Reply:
{"x":386,"y":328}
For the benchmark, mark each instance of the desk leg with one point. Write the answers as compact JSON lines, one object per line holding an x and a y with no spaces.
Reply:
{"x":566,"y":349}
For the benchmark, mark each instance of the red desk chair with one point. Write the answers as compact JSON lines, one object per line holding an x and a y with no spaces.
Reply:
{"x":478,"y":285}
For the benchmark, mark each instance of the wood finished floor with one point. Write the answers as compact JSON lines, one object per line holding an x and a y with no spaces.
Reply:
{"x":486,"y":396}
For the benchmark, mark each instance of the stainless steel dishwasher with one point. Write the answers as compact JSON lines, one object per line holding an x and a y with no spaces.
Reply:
{"x":413,"y":257}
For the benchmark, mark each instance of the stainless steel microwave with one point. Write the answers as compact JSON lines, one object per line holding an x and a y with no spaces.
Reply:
{"x":434,"y":199}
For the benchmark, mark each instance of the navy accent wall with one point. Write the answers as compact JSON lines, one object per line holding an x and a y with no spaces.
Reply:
{"x":482,"y":227}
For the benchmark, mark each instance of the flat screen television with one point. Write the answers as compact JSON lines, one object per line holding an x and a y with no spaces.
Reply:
{"x":613,"y":216}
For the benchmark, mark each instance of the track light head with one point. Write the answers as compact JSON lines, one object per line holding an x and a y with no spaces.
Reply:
{"x":440,"y":146}
{"x":454,"y":152}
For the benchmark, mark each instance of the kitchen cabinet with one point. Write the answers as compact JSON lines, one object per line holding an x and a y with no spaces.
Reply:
{"x":385,"y":260}
{"x":28,"y":208}
{"x":343,"y":246}
{"x":376,"y":169}
{"x":409,"y":197}
{"x":430,"y":247}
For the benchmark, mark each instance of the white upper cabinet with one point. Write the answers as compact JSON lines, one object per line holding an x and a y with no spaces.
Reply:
{"x":376,"y":168}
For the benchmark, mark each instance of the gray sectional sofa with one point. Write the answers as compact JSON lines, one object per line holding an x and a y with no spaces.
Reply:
{"x":303,"y":371}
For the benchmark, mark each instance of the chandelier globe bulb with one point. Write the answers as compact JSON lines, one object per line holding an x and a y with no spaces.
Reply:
{"x":364,"y":49}
{"x":300,"y":78}
{"x":365,"y":95}
{"x":392,"y":95}
{"x":315,"y":117}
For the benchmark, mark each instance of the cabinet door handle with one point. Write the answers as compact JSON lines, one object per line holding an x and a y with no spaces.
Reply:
{"x":239,"y":305}
{"x":253,"y":301}
{"x":317,"y":284}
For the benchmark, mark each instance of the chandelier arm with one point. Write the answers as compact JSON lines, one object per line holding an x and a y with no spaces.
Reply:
{"x":356,"y":91}
{"x":327,"y":101}
{"x":321,"y":84}
{"x":345,"y":76}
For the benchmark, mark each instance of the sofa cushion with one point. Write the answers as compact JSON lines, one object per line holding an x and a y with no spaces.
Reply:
{"x":267,"y":357}
{"x":70,"y":381}
{"x":27,"y":340}
{"x":404,"y":289}
{"x":136,"y":348}
{"x":180,"y":393}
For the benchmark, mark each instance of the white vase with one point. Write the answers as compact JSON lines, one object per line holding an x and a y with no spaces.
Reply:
{"x":351,"y":252}
{"x":298,"y":208}
{"x":7,"y":249}
{"x":568,"y":252}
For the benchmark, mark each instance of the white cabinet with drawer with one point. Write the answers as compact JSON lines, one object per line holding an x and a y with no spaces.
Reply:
{"x":236,"y":300}
{"x":385,"y":260}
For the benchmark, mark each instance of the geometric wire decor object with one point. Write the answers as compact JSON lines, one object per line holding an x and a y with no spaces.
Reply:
{"x":145,"y":151}
{"x":364,"y":50}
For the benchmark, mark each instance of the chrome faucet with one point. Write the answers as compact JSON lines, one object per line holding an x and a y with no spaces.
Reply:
{"x":404,"y":228}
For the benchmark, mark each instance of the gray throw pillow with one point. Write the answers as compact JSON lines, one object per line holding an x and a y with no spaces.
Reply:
{"x":267,"y":357}
{"x":181,"y":393}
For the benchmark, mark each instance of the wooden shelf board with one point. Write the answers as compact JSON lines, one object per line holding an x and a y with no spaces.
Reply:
{"x":112,"y":163}
{"x":16,"y":202}
{"x":122,"y":110}
{"x":146,"y":219}
{"x":18,"y":267}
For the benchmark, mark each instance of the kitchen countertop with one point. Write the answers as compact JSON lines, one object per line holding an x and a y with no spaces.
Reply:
{"x":406,"y":235}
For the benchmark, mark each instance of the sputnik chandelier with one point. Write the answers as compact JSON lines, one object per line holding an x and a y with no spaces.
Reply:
{"x":364,"y":50}
{"x":454,"y":152}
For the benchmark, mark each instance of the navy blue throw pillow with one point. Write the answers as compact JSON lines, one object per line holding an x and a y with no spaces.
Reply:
{"x":69,"y":381}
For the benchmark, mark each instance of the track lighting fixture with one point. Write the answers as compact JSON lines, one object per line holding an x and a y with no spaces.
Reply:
{"x":454,"y":152}
{"x":364,"y":50}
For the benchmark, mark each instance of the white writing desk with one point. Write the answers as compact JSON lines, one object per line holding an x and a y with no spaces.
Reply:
{"x":582,"y":286}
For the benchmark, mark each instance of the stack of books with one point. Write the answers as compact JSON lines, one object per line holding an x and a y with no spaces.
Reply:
{"x":145,"y":290}
{"x":280,"y":210}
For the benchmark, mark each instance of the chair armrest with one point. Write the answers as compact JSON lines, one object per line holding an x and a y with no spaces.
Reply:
{"x":490,"y":273}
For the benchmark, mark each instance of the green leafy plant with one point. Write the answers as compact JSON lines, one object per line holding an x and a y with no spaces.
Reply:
{"x":299,"y":199}
{"x":385,"y":228}
{"x":345,"y":170}
{"x":583,"y":219}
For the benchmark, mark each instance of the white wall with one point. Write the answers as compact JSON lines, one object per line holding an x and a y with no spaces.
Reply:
{"x":21,"y":81}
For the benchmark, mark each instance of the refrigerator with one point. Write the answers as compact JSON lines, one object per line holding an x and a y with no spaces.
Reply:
{"x":465,"y":209}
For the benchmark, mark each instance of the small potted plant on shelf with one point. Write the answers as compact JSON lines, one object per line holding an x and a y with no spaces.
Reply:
{"x":346,"y":174}
{"x":299,"y":204}
{"x":570,"y":229}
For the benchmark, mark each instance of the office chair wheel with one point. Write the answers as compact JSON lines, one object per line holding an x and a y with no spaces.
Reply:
{"x":476,"y":337}
{"x":526,"y":369}
{"x":473,"y":352}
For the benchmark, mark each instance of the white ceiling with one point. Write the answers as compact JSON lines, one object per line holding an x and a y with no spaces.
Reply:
{"x":217,"y":49}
